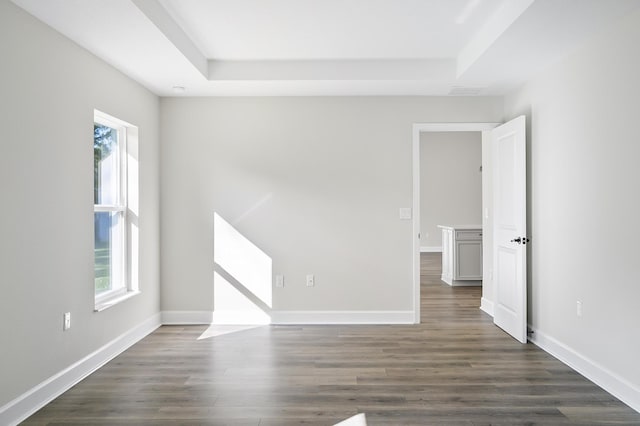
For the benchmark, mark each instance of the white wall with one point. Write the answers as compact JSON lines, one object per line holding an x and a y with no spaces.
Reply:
{"x":50,"y":87}
{"x":316,"y":183}
{"x":450,"y":182}
{"x":583,"y":206}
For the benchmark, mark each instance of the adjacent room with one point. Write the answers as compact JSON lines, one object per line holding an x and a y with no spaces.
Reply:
{"x":259,"y":239}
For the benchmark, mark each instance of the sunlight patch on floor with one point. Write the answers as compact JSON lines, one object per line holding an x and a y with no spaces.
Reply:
{"x":357,"y":420}
{"x":215,"y":330}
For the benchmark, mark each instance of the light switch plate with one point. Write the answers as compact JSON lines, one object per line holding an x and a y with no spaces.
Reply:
{"x":405,"y":213}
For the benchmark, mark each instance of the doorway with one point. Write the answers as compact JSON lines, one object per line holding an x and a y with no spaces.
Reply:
{"x":418,"y":130}
{"x":450,"y":187}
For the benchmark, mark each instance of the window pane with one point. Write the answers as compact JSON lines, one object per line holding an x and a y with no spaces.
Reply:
{"x":108,"y":248}
{"x":105,"y":165}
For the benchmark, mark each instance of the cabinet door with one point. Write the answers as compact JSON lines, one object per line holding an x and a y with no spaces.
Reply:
{"x":468,"y":260}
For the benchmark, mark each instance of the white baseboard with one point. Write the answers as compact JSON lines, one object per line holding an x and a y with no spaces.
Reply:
{"x":187,"y":317}
{"x":31,"y":401}
{"x":287,"y":317}
{"x":430,"y":249}
{"x":617,"y":386}
{"x":342,"y":317}
{"x":486,"y":306}
{"x":240,"y":318}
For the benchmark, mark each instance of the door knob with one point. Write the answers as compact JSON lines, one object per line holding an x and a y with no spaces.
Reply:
{"x":517,"y":240}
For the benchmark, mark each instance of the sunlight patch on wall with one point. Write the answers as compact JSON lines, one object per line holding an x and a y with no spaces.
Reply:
{"x":242,"y":278}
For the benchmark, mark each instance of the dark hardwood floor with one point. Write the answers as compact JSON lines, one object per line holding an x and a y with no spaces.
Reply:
{"x":454,"y":368}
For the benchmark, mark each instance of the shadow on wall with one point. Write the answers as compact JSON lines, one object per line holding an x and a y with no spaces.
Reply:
{"x":242,"y":278}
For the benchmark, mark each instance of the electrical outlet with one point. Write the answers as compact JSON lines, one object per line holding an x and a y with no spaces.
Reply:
{"x":310,"y":281}
{"x":67,"y":321}
{"x":279,"y":281}
{"x":579,"y":308}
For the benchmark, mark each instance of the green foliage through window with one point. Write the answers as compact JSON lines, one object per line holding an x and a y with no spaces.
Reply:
{"x":104,"y":141}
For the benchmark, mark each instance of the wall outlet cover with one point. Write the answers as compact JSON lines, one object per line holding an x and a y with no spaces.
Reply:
{"x":66,"y":321}
{"x":280,"y":281}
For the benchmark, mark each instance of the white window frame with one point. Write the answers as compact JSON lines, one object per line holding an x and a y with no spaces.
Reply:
{"x":124,"y":285}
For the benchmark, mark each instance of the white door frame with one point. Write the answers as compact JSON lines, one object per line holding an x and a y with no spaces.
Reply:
{"x":419,"y":128}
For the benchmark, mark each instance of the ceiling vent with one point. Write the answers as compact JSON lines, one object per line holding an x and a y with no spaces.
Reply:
{"x":465,"y":91}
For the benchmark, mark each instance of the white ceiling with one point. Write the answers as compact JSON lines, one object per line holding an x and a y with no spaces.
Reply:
{"x":329,"y":29}
{"x":329,"y":47}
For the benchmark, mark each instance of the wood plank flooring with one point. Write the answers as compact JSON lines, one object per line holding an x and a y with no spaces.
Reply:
{"x":456,"y":368}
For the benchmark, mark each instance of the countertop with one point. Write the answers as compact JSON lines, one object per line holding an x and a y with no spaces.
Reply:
{"x":454,"y":227}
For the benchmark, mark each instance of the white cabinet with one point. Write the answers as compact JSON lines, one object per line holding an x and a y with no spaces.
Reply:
{"x":462,"y":255}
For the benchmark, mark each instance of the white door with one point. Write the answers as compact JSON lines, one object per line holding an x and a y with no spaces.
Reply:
{"x":510,"y":228}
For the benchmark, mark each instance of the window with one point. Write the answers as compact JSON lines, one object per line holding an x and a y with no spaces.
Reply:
{"x":114,"y":280}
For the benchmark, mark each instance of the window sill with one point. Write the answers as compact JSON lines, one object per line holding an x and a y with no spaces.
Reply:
{"x":106,"y":304}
